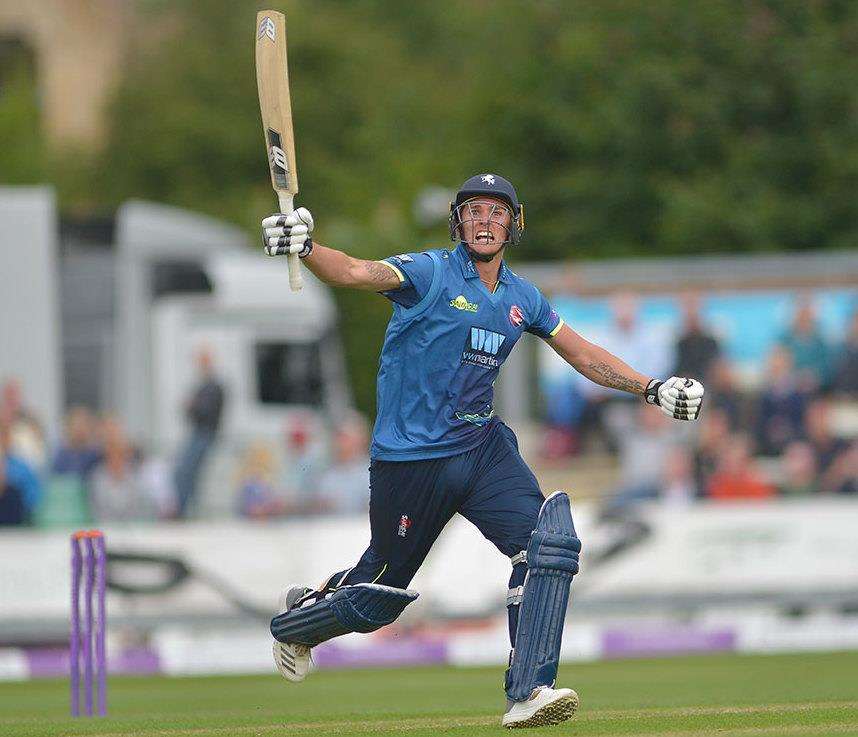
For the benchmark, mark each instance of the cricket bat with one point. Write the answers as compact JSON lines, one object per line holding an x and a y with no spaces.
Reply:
{"x":272,"y":79}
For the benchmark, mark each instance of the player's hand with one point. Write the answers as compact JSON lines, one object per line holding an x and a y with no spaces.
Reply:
{"x":286,"y":234}
{"x":677,"y":397}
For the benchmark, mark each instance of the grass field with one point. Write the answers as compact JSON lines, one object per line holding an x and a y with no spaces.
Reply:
{"x":727,"y":696}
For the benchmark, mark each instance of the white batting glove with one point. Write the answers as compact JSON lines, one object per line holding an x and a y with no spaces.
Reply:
{"x":677,"y":397}
{"x":286,"y":234}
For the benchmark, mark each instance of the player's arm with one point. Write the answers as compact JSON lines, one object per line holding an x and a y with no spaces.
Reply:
{"x":285,"y":234}
{"x":677,"y":397}
{"x":596,"y":363}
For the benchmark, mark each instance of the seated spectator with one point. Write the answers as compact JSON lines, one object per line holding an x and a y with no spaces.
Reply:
{"x":808,"y":349}
{"x":711,"y":443}
{"x":13,"y":511}
{"x":846,"y":367}
{"x":817,"y":430}
{"x":643,"y":451}
{"x":115,"y":491}
{"x":78,"y":454}
{"x":18,"y":471}
{"x":723,"y":393}
{"x":27,"y":437}
{"x":257,"y":497}
{"x":736,"y":477}
{"x":780,"y":409}
{"x":842,"y":475}
{"x":677,"y":478}
{"x":697,"y":349}
{"x":344,"y":486}
{"x":799,"y":470}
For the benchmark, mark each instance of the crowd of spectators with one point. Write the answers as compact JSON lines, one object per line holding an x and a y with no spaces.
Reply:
{"x":777,"y":437}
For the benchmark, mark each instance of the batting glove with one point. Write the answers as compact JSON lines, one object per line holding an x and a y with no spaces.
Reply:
{"x":677,"y":397}
{"x":286,"y":234}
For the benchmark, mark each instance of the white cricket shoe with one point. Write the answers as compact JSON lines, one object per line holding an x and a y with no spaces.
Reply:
{"x":292,"y":660}
{"x":545,"y":706}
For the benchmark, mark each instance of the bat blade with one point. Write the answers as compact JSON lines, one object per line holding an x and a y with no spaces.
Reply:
{"x":275,"y":105}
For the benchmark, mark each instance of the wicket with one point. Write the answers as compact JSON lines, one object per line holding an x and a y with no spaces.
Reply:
{"x":88,"y":565}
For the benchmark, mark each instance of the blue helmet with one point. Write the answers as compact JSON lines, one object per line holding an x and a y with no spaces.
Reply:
{"x":489,"y":185}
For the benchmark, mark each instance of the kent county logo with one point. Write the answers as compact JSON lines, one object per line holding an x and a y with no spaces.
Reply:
{"x":404,"y":524}
{"x":516,"y":316}
{"x":488,"y":178}
{"x":460,"y":303}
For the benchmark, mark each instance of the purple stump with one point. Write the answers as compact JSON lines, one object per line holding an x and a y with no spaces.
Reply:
{"x":100,"y":648}
{"x":89,"y":584}
{"x":74,"y":634}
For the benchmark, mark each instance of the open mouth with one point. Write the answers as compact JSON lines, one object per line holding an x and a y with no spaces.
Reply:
{"x":484,"y":236}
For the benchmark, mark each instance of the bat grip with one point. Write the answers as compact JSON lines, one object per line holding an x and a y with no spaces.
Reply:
{"x":296,"y":279}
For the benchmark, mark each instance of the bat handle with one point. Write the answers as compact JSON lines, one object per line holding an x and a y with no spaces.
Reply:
{"x":296,"y":279}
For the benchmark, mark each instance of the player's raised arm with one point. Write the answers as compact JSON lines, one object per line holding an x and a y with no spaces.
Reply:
{"x":677,"y":397}
{"x":292,"y":234}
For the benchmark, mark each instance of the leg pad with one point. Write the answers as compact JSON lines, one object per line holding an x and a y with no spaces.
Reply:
{"x":552,"y":561}
{"x":364,"y":607}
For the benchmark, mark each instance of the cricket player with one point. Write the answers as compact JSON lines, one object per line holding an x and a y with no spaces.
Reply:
{"x":438,"y":447}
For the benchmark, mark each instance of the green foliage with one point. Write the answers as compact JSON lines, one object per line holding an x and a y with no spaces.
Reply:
{"x":629,"y":126}
{"x":24,"y":161}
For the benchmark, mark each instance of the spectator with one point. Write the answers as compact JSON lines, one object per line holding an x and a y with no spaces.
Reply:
{"x":723,"y":393}
{"x":257,"y":497}
{"x":677,"y":484}
{"x":842,"y":476}
{"x":115,"y":490}
{"x":799,"y":470}
{"x":643,"y":451}
{"x":648,"y":349}
{"x":27,"y":437}
{"x":79,"y":453}
{"x":780,"y":410}
{"x":711,"y":444}
{"x":696,"y":349}
{"x":345,"y":485}
{"x":19,"y":472}
{"x":736,"y":477}
{"x":304,"y":461}
{"x":203,"y":411}
{"x":807,"y":348}
{"x":13,"y":511}
{"x":846,"y":368}
{"x":817,"y":429}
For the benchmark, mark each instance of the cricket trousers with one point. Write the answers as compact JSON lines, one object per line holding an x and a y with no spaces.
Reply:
{"x":411,"y":502}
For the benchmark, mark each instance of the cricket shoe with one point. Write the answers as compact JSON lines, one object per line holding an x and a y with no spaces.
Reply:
{"x":545,"y":706}
{"x":292,"y":660}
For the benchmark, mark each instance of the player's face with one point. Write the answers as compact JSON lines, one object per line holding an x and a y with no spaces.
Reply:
{"x":485,"y":224}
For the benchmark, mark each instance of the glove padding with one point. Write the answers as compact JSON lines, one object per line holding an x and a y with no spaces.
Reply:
{"x":286,"y":234}
{"x":677,"y":397}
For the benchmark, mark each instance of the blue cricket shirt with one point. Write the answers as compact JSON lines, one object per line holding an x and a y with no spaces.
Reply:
{"x":445,"y":343}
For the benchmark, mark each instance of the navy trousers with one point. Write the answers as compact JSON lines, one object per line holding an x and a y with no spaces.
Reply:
{"x":411,"y":502}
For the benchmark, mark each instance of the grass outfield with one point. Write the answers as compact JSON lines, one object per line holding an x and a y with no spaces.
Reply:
{"x":727,"y":696}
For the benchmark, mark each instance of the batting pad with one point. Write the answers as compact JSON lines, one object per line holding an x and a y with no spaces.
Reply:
{"x":364,"y":607}
{"x":552,"y":561}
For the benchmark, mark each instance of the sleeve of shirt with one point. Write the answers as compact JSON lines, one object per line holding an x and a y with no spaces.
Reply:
{"x":546,"y":323}
{"x":415,"y":271}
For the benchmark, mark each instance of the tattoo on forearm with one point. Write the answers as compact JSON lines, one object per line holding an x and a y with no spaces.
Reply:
{"x":609,"y":376}
{"x":379,"y":272}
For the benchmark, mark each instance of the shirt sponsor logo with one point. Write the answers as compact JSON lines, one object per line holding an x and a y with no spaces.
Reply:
{"x":483,"y":347}
{"x":460,"y":303}
{"x":516,"y":316}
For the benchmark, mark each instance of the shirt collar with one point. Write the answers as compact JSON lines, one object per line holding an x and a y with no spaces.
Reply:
{"x":469,"y":271}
